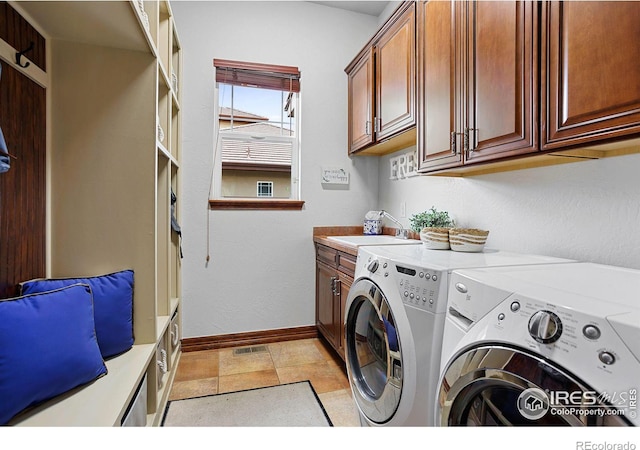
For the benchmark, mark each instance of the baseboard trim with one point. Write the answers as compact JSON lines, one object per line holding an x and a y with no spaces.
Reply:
{"x":249,"y":338}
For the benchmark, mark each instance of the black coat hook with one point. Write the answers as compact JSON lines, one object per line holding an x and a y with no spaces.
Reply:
{"x":19,"y":56}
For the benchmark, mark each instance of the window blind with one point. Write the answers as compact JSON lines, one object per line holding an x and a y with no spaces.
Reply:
{"x":265,"y":76}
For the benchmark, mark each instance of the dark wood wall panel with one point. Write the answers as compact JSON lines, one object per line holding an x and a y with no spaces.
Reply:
{"x":19,"y":34}
{"x":23,"y":187}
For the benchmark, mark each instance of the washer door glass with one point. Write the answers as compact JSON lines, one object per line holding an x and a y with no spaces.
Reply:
{"x":373,"y":353}
{"x":495,"y":385}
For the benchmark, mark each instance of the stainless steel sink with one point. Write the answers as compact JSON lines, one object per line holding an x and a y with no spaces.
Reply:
{"x":379,"y":239}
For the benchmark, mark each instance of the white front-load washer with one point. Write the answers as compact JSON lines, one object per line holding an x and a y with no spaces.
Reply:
{"x":541,"y":345}
{"x":394,"y":322}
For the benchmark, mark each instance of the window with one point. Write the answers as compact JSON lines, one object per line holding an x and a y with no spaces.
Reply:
{"x":265,"y":188}
{"x":257,"y":142}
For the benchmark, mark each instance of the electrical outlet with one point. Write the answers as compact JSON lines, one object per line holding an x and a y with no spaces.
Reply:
{"x":403,"y":209}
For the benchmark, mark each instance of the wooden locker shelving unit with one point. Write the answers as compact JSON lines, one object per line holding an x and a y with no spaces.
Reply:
{"x":110,"y":182}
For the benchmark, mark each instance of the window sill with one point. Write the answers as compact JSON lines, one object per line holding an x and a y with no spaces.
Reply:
{"x":286,"y":205}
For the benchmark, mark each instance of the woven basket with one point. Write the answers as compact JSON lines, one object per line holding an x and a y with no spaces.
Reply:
{"x":435,"y":238}
{"x":467,"y":239}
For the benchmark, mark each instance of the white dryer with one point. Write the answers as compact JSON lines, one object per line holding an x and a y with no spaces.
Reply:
{"x":394,"y":322}
{"x":541,"y":345}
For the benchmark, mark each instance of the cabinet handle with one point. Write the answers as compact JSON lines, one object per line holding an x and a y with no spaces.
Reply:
{"x":377,"y":124}
{"x":470,"y":146}
{"x":454,"y":142}
{"x":333,"y":284}
{"x":466,"y":141}
{"x":367,"y":128}
{"x":337,"y":288}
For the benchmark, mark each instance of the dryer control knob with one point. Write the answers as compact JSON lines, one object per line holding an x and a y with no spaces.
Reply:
{"x":607,"y":357}
{"x":373,"y":265}
{"x":591,"y":332}
{"x":545,"y":327}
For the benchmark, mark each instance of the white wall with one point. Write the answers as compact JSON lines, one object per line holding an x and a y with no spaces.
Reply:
{"x":262,"y":269}
{"x":388,"y":10}
{"x":587,"y":211}
{"x":262,"y":273}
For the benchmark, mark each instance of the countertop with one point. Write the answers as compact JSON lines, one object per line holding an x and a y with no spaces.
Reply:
{"x":320,"y":236}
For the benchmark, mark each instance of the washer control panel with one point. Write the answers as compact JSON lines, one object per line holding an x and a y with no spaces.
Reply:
{"x":418,"y":287}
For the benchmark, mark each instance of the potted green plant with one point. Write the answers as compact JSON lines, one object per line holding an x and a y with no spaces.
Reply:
{"x":433,"y":226}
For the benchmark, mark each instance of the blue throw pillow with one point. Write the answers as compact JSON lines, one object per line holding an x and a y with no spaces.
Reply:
{"x":113,"y":305}
{"x":47,"y":346}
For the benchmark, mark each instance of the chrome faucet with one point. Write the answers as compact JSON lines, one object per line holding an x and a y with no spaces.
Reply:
{"x":401,"y":233}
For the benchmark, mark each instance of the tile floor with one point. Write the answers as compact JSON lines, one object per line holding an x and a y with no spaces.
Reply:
{"x":219,"y":371}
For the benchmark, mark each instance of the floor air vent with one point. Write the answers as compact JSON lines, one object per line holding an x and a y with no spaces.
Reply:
{"x":249,"y":350}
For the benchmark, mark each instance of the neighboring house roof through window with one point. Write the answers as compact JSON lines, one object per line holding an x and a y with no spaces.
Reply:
{"x":256,"y":154}
{"x":263,"y":128}
{"x":239,"y":116}
{"x":266,"y":154}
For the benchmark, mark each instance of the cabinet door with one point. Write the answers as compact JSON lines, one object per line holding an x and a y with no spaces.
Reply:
{"x":342,"y":293}
{"x":325,"y":304}
{"x":502,"y":69}
{"x":23,"y":189}
{"x":593,"y":72}
{"x":395,"y":77}
{"x":439,"y":85}
{"x":360,"y":100}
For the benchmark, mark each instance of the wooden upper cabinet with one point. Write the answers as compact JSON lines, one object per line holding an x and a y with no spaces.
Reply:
{"x":502,"y":107}
{"x":395,"y":55}
{"x":592,"y":61}
{"x":513,"y":84}
{"x":361,"y":98}
{"x":382,"y":87}
{"x":478,"y":82}
{"x":439,"y":84}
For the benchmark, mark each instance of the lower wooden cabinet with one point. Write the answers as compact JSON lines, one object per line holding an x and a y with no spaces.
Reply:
{"x":344,"y":284}
{"x":334,"y":277}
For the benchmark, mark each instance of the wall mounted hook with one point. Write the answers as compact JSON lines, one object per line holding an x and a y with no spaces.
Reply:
{"x":20,"y":54}
{"x":2,"y":152}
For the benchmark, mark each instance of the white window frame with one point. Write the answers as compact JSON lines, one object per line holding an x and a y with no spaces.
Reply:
{"x":216,"y":187}
{"x":264,"y":183}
